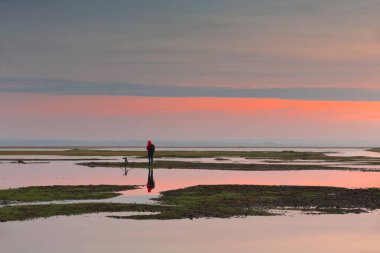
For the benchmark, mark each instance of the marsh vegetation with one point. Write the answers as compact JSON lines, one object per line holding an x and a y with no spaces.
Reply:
{"x":204,"y":201}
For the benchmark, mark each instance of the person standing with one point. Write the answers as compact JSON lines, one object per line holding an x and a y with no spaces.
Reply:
{"x":150,"y":148}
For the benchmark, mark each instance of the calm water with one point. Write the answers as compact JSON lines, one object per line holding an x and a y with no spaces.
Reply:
{"x":68,"y":173}
{"x":285,"y":234}
{"x":97,"y":233}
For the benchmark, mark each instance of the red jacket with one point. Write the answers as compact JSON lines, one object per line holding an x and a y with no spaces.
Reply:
{"x":149,"y":146}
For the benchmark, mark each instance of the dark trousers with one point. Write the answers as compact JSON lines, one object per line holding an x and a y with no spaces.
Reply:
{"x":150,"y":158}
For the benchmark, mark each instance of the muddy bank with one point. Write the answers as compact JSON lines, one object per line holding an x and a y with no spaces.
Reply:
{"x":282,"y":155}
{"x":221,"y":166}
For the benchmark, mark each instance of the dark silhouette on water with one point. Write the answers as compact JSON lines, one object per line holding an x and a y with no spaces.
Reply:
{"x":150,"y":184}
{"x":151,"y":149}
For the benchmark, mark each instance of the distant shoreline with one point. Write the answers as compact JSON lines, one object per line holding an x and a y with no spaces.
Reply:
{"x":142,"y":146}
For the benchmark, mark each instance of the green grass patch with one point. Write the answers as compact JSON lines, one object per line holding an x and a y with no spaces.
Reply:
{"x":374,"y":150}
{"x":25,"y":212}
{"x":225,"y":201}
{"x":62,"y":192}
{"x":222,"y":201}
{"x":274,"y":196}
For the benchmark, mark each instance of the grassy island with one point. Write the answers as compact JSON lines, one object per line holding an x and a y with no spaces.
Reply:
{"x":374,"y":150}
{"x":209,"y":201}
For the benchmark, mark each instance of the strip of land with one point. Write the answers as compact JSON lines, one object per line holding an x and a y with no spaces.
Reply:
{"x":33,"y":160}
{"x":222,"y":201}
{"x":282,"y":155}
{"x":275,"y":156}
{"x":374,"y":150}
{"x":221,"y":166}
{"x":225,"y":201}
{"x":27,"y":212}
{"x":62,"y":192}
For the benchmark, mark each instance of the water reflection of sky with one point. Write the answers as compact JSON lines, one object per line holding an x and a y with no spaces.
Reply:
{"x":68,"y":173}
{"x":286,"y":234}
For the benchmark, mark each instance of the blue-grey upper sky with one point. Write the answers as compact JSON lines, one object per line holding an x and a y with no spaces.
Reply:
{"x":57,"y":57}
{"x":256,"y":44}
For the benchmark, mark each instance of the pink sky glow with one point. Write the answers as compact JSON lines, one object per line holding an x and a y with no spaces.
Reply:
{"x":113,"y":117}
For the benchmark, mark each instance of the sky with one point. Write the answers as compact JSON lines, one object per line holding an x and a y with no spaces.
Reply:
{"x":250,"y":72}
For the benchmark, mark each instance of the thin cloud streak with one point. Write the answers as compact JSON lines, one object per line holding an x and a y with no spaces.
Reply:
{"x":66,"y":87}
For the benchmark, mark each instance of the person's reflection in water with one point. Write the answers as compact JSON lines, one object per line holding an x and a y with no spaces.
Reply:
{"x":150,"y":185}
